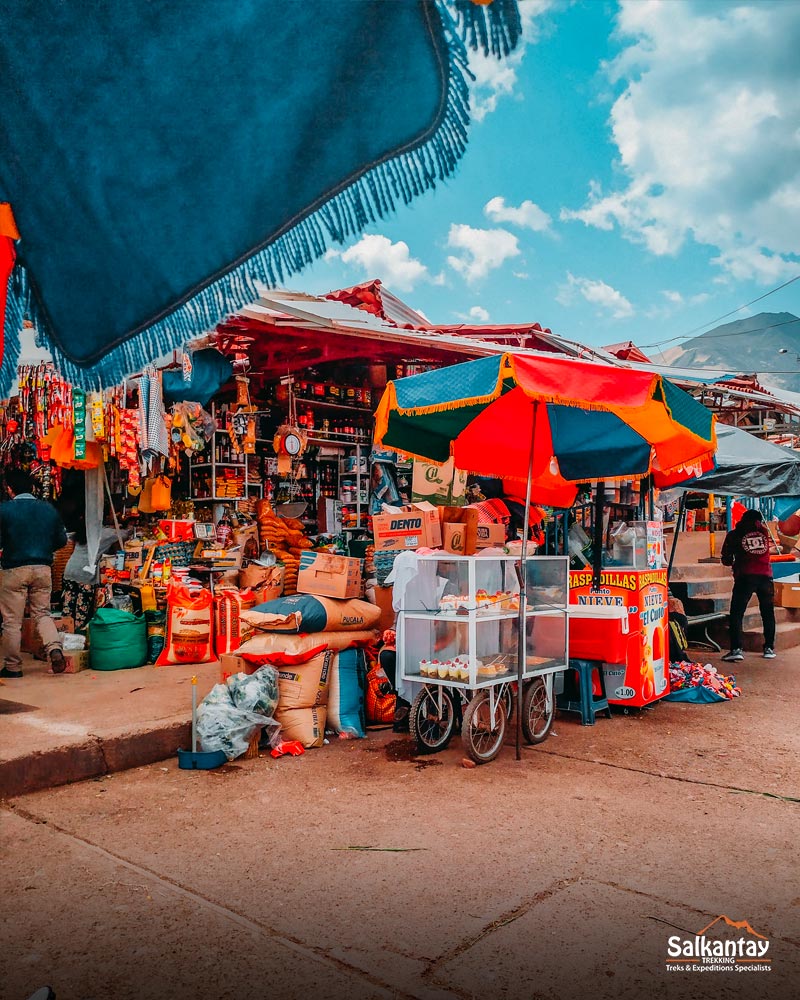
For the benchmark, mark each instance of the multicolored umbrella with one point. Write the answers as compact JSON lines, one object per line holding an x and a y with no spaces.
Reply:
{"x":554,"y":420}
{"x":551,"y":422}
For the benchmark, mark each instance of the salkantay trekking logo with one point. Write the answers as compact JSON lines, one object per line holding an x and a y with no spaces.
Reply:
{"x":713,"y":949}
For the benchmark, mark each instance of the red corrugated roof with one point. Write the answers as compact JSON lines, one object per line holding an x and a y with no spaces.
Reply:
{"x":628,"y":351}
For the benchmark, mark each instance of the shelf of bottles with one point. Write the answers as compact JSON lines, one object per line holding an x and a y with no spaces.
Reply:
{"x":330,"y":413}
{"x":220,"y":473}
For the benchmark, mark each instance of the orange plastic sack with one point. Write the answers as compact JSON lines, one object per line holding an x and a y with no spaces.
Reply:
{"x":380,"y":701}
{"x":284,"y":650}
{"x":189,"y":628}
{"x":228,"y":624}
{"x":61,"y":442}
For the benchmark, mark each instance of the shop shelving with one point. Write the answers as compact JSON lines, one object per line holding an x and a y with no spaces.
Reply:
{"x":251,"y":488}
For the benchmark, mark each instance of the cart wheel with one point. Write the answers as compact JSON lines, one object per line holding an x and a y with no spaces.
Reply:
{"x":428,"y":728}
{"x":536,"y":720}
{"x":482,"y":742}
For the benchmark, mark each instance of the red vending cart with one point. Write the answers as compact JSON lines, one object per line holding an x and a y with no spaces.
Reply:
{"x":625,"y":627}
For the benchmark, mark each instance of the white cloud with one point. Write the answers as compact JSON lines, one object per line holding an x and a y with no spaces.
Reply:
{"x":484,"y":250}
{"x":522,"y":275}
{"x":479,"y":313}
{"x":528,"y":215}
{"x":597,"y":293}
{"x":674,"y":297}
{"x":497,"y":78}
{"x":378,"y":257}
{"x":708,"y":131}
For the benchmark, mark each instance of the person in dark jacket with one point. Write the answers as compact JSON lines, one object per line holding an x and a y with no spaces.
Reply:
{"x":746,"y":549}
{"x":30,"y":533}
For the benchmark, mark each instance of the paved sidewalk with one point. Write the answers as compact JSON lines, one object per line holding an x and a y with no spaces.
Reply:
{"x":361,"y":871}
{"x":58,"y":729}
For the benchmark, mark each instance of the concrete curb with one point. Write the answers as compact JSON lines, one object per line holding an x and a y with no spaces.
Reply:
{"x":97,"y":756}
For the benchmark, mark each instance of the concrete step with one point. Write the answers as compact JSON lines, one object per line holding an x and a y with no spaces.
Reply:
{"x":721,"y":603}
{"x":707,"y":604}
{"x":698,"y":571}
{"x":708,"y":585}
{"x":787,"y":636}
{"x":787,"y":631}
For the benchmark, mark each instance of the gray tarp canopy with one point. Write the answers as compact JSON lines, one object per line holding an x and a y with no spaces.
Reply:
{"x":749,"y":467}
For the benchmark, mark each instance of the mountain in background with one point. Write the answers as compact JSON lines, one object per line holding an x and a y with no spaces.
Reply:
{"x":747,"y":346}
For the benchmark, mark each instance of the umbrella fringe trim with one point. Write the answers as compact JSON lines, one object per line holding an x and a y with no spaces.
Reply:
{"x":343,"y":213}
{"x":420,"y":411}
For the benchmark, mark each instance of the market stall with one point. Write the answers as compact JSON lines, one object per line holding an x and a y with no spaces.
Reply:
{"x":227,"y":484}
{"x":551,"y":423}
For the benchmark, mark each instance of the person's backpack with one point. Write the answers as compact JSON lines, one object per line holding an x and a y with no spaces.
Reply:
{"x":678,"y":640}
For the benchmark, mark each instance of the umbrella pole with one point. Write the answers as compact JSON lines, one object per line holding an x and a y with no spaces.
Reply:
{"x":522,"y":655}
{"x":678,"y":525}
{"x":597,"y":541}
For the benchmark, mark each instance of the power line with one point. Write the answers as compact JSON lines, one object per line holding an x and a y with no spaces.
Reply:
{"x":758,"y":329}
{"x":733,"y":312}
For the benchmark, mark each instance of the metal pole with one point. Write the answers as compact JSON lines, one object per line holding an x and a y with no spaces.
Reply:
{"x":597,"y":541}
{"x":194,"y":714}
{"x":522,"y":653}
{"x":712,"y":541}
{"x":678,"y":524}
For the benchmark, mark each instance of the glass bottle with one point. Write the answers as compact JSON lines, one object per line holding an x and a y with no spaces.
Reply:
{"x":224,"y":527}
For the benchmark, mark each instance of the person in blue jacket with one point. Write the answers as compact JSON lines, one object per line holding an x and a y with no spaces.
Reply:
{"x":30,"y":533}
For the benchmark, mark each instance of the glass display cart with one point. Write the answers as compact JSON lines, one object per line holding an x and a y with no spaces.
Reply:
{"x":458,"y":636}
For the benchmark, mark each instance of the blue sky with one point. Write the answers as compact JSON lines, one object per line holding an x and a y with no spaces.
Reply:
{"x":633,"y":172}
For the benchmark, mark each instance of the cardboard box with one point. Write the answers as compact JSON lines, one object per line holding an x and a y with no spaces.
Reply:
{"x":443,"y":485}
{"x":383,"y":600}
{"x":77,"y":660}
{"x":134,"y":554}
{"x":230,"y":663}
{"x":267,"y":580}
{"x":787,"y":595}
{"x":31,"y":643}
{"x":454,"y":538}
{"x":460,"y":525}
{"x":488,"y":535}
{"x":411,"y":527}
{"x":221,"y":557}
{"x":328,"y":575}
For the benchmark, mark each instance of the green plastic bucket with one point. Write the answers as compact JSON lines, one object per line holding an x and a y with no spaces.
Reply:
{"x":117,"y":640}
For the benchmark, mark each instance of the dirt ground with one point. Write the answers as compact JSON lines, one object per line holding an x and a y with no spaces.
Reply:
{"x":360,"y":870}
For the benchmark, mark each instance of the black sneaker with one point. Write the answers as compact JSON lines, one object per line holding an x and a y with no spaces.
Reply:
{"x":15,"y":674}
{"x":734,"y":656}
{"x":769,"y":653}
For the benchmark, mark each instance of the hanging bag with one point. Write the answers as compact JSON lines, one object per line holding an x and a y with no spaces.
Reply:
{"x":161,"y":493}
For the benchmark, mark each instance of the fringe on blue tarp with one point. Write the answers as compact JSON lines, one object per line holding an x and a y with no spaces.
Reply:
{"x":16,"y":305}
{"x":375,"y":194}
{"x":495,"y":27}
